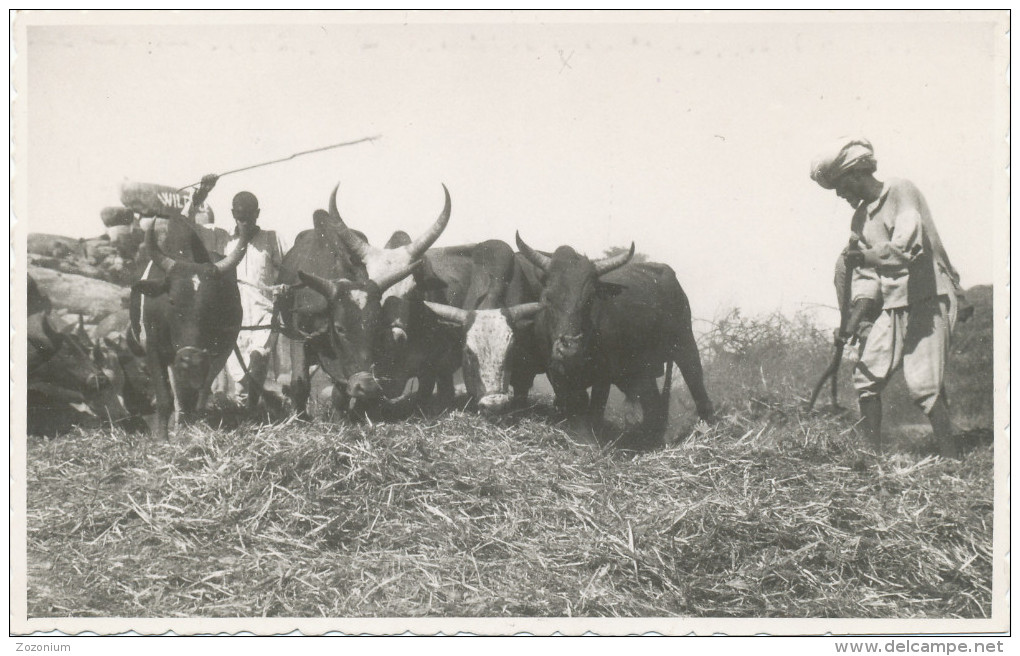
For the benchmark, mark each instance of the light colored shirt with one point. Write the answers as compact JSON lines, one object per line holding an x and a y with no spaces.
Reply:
{"x":260,"y":266}
{"x":905,"y":262}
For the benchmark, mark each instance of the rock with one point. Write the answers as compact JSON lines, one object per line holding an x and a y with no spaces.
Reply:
{"x":79,"y":294}
{"x":45,"y":261}
{"x":52,"y":245}
{"x":80,"y":267}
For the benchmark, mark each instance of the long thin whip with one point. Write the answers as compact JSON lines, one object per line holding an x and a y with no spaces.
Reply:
{"x":290,"y":157}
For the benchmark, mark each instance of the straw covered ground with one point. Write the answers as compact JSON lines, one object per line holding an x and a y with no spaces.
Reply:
{"x":776,"y":515}
{"x":769,"y":512}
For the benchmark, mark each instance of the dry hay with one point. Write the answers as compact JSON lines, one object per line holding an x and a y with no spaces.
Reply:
{"x":775,"y":514}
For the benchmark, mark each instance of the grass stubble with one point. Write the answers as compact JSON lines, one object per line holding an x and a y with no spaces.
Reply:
{"x":770,"y":515}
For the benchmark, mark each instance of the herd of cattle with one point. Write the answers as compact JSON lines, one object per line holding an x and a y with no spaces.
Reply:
{"x":374,"y":319}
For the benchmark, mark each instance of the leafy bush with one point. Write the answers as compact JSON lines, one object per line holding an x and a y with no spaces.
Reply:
{"x":775,"y":359}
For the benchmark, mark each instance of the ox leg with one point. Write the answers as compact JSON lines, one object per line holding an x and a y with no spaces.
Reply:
{"x":597,"y":405}
{"x":261,"y":360}
{"x":643,"y":393}
{"x":521,"y":382}
{"x":574,"y":405}
{"x":688,"y":360}
{"x":426,"y":385}
{"x":187,"y":403}
{"x":444,"y":390}
{"x":164,"y":399}
{"x":572,"y":402}
{"x":258,"y":369}
{"x":300,"y":386}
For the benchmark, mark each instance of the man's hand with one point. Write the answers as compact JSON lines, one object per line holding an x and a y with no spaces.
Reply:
{"x":854,"y":257}
{"x":246,"y":229}
{"x":209,"y":181}
{"x":859,"y":323}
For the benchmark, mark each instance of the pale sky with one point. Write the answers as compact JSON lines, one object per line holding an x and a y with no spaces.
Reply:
{"x":693,"y":139}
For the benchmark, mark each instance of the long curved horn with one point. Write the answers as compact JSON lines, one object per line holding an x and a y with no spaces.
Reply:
{"x":327,"y":288}
{"x":536,"y":258}
{"x":352,"y":241}
{"x":158,"y":257}
{"x":523,"y":311}
{"x":391,"y":279}
{"x":607,"y":264}
{"x":231,"y":261}
{"x":448,"y":312}
{"x":429,"y":237}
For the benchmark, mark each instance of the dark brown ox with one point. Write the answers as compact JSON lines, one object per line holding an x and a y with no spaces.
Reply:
{"x":333,"y":283}
{"x":496,"y":332}
{"x":121,"y":351}
{"x":65,"y":386}
{"x":605,"y":323}
{"x":129,"y":396}
{"x":190,"y":309}
{"x":416,"y":344}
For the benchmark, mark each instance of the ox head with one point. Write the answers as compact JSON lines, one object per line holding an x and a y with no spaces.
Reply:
{"x":571,"y":288}
{"x":384,"y":262}
{"x":197,"y":294}
{"x":59,"y":359}
{"x":137,"y":391}
{"x":350,"y":334}
{"x":108,"y":404}
{"x":489,"y":340}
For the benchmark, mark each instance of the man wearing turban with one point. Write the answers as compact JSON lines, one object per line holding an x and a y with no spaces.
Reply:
{"x":903,"y":280}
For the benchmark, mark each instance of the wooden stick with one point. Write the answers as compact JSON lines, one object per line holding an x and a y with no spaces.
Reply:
{"x":284,"y":159}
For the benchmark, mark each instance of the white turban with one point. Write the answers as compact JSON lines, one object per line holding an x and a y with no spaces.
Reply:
{"x":844,"y":155}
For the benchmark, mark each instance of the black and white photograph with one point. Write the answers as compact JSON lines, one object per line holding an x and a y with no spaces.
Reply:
{"x":501,"y":322}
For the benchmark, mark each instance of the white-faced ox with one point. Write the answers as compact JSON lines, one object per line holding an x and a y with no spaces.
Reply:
{"x":190,"y":309}
{"x":604,"y":323}
{"x":496,"y":338}
{"x":334,"y":284}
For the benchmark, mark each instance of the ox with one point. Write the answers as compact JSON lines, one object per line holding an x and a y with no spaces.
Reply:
{"x":65,"y":386}
{"x":334,"y":283}
{"x":119,"y":348}
{"x":129,"y":396}
{"x":497,"y":337}
{"x":416,"y":343}
{"x":604,"y":323}
{"x":191,"y":313}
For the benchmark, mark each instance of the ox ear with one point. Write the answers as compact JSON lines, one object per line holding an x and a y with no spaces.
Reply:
{"x":151,"y":287}
{"x":98,"y":356}
{"x":608,"y":289}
